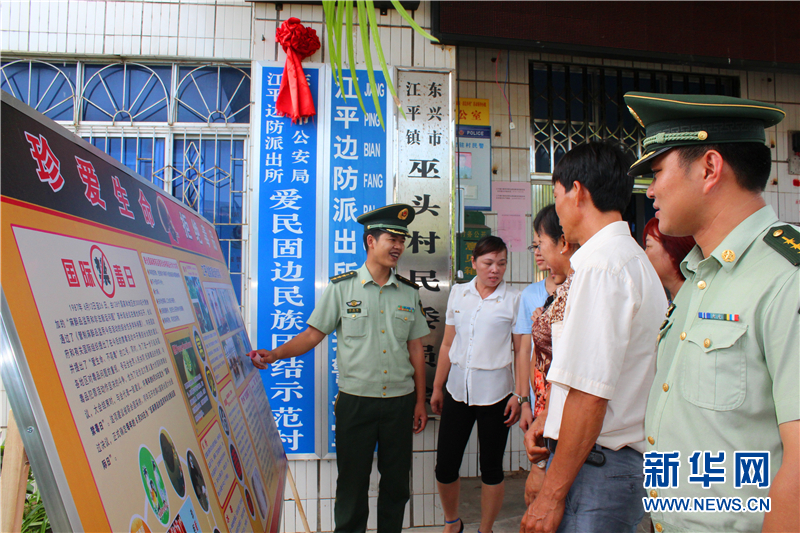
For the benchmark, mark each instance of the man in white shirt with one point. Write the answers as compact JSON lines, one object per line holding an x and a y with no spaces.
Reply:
{"x":604,"y":362}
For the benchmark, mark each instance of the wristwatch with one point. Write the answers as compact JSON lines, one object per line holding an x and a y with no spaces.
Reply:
{"x":522,"y":399}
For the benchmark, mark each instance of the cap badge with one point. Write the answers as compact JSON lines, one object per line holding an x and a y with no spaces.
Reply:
{"x":402,"y":215}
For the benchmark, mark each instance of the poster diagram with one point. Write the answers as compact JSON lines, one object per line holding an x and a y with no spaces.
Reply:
{"x":127,"y":318}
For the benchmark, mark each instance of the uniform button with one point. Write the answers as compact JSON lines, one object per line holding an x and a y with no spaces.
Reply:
{"x":707,"y":343}
{"x":384,"y":351}
{"x":659,"y":527}
{"x":380,"y":292}
{"x":381,"y":311}
{"x":701,"y":285}
{"x":405,"y":318}
{"x":653,"y":493}
{"x":354,"y":316}
{"x":384,"y":387}
{"x":385,"y":371}
{"x":385,"y":395}
{"x":383,"y":331}
{"x":651,"y":440}
{"x":683,"y":335}
{"x":665,"y":387}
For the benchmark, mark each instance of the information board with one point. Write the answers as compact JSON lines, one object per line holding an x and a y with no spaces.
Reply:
{"x":286,"y":252}
{"x":424,"y":180}
{"x":359,"y":163}
{"x":128,"y":336}
{"x":474,"y":153}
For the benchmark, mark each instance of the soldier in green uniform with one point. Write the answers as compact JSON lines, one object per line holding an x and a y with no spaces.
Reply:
{"x":379,"y":323}
{"x":729,"y":350}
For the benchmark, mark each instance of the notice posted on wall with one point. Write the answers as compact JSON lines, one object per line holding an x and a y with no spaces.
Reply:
{"x":133,"y":336}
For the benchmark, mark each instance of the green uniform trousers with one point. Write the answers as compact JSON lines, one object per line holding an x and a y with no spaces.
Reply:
{"x":361,"y":423}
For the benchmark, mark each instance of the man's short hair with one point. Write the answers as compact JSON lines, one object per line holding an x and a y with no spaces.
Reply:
{"x":602,"y":168}
{"x":376,"y":234}
{"x":751,"y":162}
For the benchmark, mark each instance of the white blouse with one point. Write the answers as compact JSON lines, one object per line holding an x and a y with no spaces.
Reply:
{"x":481,"y":355}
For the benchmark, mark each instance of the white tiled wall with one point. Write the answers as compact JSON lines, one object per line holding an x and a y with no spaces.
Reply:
{"x":424,"y":508}
{"x":510,"y":151}
{"x":218,"y":29}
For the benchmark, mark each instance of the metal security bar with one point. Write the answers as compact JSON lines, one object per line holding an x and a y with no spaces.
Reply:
{"x":572,"y":103}
{"x":184,"y":127}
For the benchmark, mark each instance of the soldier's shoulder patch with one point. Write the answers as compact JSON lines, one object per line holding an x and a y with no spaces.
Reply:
{"x":406,"y":281}
{"x":346,"y":275}
{"x":786,"y":241}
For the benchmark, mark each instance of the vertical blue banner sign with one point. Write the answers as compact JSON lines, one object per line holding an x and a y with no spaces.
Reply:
{"x":357,"y":184}
{"x":286,"y":233}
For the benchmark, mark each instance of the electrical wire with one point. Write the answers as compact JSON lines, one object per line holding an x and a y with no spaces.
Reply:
{"x":497,"y":81}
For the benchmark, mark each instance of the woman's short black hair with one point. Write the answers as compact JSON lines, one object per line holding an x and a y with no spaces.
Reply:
{"x":602,"y":168}
{"x":546,"y":223}
{"x":487,"y":245}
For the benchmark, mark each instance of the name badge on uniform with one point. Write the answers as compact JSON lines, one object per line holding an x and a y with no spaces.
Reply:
{"x":352,"y":306}
{"x":405,"y":308}
{"x":719,"y":316}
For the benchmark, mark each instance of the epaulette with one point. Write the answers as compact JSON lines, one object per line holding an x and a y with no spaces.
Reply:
{"x":408,"y":282}
{"x":346,"y":275}
{"x":786,"y":241}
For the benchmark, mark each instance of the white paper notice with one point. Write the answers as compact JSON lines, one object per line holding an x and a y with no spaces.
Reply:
{"x":172,"y":301}
{"x":511,"y":202}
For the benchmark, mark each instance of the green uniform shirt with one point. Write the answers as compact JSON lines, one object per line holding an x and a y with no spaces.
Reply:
{"x":725,"y":385}
{"x":373,"y":325}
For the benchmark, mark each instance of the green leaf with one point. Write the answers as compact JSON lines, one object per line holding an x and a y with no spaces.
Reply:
{"x":400,"y":9}
{"x":334,"y":14}
{"x":379,"y":49}
{"x":351,"y":60}
{"x":362,"y":24}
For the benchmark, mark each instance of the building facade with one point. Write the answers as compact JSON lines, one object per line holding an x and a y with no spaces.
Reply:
{"x":170,"y":89}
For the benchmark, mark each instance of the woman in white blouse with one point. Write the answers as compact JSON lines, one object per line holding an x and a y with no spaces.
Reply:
{"x":476,"y":361}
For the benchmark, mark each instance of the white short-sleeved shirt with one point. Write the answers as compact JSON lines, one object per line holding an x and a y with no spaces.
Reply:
{"x":481,"y":356}
{"x":608,"y":344}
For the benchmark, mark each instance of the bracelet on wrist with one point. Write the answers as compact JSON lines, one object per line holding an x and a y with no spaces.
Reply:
{"x":521,"y":399}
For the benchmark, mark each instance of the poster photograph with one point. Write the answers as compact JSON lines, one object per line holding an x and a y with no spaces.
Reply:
{"x":128,"y":330}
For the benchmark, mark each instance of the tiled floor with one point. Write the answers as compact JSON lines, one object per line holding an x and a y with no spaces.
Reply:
{"x":510,"y":515}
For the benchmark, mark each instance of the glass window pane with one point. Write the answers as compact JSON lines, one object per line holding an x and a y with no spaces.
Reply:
{"x":214,"y":95}
{"x":126,"y":92}
{"x":145,"y":156}
{"x":49,"y":88}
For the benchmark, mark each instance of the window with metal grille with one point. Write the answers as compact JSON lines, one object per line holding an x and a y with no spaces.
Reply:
{"x":186,"y":128}
{"x":571,"y":104}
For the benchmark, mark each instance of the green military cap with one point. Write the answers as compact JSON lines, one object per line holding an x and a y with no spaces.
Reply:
{"x":393,"y":218}
{"x":672,"y":120}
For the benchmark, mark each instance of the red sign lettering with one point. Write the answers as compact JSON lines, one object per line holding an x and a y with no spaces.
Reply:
{"x":49,"y":167}
{"x":122,"y":197}
{"x":72,"y":274}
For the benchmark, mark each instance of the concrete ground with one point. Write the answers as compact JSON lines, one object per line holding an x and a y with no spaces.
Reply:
{"x":510,"y":515}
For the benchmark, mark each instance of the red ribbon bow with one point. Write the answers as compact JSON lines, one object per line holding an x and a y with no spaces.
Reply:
{"x":294,"y":96}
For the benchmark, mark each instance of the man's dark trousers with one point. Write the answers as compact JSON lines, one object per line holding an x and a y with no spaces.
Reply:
{"x":361,"y":423}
